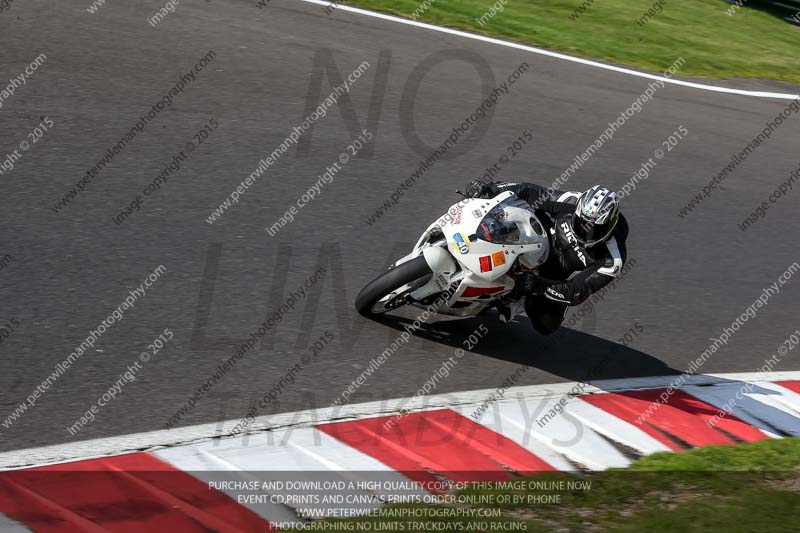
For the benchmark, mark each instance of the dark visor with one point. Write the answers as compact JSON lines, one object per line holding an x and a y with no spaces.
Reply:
{"x":587,"y":231}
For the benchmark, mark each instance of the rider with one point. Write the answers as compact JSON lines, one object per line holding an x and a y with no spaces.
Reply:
{"x":587,"y":236}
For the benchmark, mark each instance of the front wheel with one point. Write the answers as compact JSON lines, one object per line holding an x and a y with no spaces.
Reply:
{"x":381,"y":294}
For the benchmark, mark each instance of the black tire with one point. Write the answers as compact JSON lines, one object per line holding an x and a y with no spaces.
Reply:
{"x":389,"y":282}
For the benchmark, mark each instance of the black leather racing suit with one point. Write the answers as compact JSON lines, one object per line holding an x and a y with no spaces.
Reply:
{"x":572,"y":271}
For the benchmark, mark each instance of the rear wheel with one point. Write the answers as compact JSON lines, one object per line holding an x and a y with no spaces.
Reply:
{"x":388,"y":291}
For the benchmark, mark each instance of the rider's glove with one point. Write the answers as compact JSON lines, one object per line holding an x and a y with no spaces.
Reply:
{"x":479,"y":189}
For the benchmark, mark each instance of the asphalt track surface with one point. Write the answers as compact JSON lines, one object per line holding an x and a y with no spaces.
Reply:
{"x":693,"y":276}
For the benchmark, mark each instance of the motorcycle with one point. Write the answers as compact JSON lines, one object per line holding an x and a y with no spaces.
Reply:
{"x":466,"y":260}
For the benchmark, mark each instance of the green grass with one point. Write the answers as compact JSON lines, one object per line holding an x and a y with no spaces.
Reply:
{"x":751,"y":487}
{"x":749,"y":44}
{"x":765,"y":456}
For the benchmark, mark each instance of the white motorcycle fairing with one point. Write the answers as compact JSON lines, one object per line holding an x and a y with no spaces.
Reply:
{"x":471,"y":249}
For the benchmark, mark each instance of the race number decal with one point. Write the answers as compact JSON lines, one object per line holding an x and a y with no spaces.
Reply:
{"x":462,"y":244}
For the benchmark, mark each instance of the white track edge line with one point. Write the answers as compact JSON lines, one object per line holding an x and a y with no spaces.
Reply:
{"x":558,"y":55}
{"x":120,"y":444}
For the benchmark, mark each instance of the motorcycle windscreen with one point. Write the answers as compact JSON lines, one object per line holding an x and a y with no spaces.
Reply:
{"x":512,"y":221}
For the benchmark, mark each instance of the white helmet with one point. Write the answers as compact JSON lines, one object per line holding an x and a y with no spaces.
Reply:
{"x":595,"y":215}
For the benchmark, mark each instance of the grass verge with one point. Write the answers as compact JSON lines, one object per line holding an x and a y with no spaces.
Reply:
{"x":746,"y":44}
{"x":751,"y":487}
